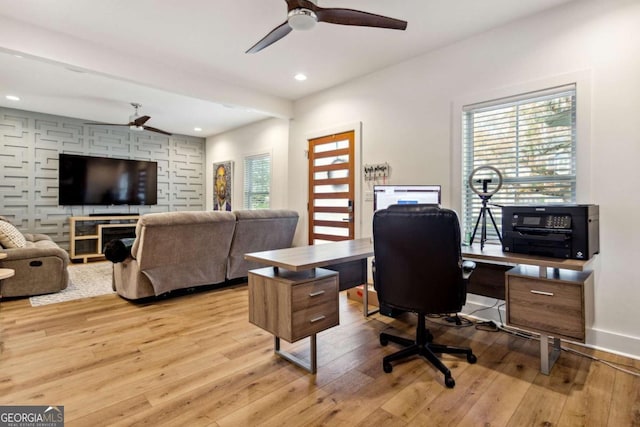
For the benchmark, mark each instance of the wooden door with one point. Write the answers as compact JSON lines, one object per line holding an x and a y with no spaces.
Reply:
{"x":331,"y":188}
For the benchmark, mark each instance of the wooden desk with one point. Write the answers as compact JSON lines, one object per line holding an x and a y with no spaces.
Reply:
{"x":494,"y":253}
{"x":550,"y":296}
{"x":302,"y":299}
{"x":293,"y":305}
{"x":307,"y":257}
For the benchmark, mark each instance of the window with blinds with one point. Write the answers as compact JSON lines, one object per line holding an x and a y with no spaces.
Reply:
{"x":257,"y":181}
{"x":531,"y":140}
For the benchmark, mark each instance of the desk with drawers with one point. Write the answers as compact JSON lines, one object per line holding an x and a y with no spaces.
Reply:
{"x":549,"y":296}
{"x":295,"y":298}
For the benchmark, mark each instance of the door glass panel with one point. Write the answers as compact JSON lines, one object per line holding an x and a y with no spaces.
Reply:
{"x":333,"y":145}
{"x":331,"y":188}
{"x":329,"y":216}
{"x":331,"y":231}
{"x":331,"y":202}
{"x":332,"y":160}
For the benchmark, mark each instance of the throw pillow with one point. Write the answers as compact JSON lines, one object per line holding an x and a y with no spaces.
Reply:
{"x":10,"y":237}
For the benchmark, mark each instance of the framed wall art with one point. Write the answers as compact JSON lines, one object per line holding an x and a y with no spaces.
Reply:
{"x":222,"y":185}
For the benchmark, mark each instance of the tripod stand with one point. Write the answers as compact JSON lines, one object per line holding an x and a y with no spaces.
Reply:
{"x":483,"y":215}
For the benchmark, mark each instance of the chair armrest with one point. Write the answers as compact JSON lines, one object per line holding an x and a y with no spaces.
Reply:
{"x":467,"y":269}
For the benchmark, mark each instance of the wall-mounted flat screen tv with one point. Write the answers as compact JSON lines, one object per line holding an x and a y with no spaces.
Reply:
{"x":88,"y":180}
{"x":386,"y":195}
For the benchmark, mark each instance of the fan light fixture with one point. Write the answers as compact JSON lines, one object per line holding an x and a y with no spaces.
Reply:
{"x":135,"y":116}
{"x":302,"y":19}
{"x":305,"y":14}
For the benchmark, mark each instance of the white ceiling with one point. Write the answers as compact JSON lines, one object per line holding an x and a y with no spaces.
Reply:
{"x":184,"y":61}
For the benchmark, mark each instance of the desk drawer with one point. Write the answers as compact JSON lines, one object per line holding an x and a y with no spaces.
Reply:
{"x":314,"y":319}
{"x":314,"y":307}
{"x":312,"y":294}
{"x":545,"y":306}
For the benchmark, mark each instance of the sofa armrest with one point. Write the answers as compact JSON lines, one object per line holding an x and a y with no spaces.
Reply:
{"x":34,"y":251}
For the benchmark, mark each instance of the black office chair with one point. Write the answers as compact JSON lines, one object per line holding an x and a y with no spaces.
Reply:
{"x":418,"y":268}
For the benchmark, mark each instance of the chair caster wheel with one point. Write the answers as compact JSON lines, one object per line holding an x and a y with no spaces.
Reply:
{"x":449,"y":382}
{"x":386,"y":366}
{"x":471,"y":358}
{"x":383,"y":341}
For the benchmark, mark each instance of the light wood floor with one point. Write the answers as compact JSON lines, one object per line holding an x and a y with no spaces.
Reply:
{"x":196,"y":361}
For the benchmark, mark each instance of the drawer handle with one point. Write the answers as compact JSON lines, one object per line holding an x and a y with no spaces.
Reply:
{"x":316,"y":293}
{"x":317,"y":319}
{"x":549,"y":294}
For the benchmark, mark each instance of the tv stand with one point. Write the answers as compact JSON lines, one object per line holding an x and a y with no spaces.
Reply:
{"x":112,"y":214}
{"x":89,"y":234}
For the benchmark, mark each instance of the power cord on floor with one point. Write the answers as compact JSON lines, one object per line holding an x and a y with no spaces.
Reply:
{"x":605,"y":362}
{"x":451,"y":320}
{"x":522,"y":334}
{"x":461,"y":322}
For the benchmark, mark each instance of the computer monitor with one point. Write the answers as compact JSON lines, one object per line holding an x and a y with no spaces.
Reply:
{"x":386,"y":195}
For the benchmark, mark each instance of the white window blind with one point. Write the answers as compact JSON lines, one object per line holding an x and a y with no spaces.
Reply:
{"x":531,"y":140}
{"x":257,"y":181}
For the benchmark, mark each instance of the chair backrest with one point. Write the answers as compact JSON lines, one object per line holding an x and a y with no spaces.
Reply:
{"x":418,"y":261}
{"x":182,"y":249}
{"x":259,"y":230}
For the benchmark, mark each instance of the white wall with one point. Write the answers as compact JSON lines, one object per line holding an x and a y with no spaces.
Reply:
{"x":267,"y":136}
{"x":407,"y":120}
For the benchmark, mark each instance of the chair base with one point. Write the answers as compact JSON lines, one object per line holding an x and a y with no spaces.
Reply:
{"x":423,"y":346}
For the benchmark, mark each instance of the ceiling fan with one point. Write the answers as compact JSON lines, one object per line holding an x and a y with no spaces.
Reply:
{"x":136,"y":122}
{"x":304,"y":14}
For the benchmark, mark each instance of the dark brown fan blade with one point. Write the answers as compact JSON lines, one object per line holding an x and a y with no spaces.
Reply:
{"x":359,"y":18}
{"x":107,"y":124}
{"x":275,"y":35}
{"x":140,"y":121}
{"x":301,"y":4}
{"x":149,"y":128}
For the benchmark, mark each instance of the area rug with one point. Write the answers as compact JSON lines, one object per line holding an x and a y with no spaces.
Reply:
{"x":85,"y":281}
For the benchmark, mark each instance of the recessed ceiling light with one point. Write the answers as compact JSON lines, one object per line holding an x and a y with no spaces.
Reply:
{"x":12,"y":98}
{"x":197,"y":129}
{"x":300,"y":77}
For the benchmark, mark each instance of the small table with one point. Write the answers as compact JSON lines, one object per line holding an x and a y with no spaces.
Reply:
{"x":5,"y":273}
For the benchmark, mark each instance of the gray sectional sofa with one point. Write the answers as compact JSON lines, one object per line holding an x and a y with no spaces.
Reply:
{"x":177,"y":250}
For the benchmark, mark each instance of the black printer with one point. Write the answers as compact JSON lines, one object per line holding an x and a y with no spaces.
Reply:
{"x":558,"y":231}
